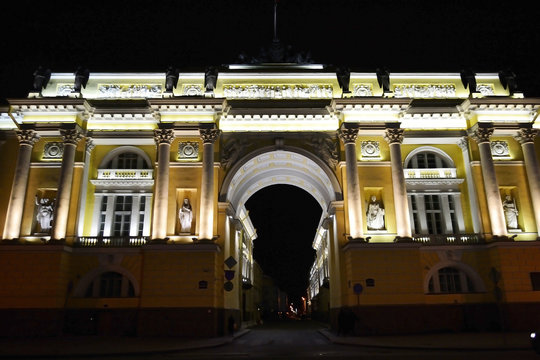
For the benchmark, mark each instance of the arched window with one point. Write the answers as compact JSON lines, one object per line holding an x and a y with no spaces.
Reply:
{"x":123,"y":194}
{"x":428,"y":160}
{"x":450,"y":280}
{"x":127,"y":160}
{"x":110,"y":284}
{"x":433,"y":191}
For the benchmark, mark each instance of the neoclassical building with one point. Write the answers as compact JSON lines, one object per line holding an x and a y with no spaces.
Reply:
{"x":123,"y":204}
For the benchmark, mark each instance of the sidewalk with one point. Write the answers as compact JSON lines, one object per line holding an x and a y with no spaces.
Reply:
{"x":446,"y":341}
{"x":87,"y":346}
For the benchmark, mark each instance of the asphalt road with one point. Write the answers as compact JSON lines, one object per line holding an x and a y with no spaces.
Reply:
{"x":301,"y":340}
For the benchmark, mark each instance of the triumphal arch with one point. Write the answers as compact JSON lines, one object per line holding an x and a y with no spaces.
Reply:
{"x":124,"y":203}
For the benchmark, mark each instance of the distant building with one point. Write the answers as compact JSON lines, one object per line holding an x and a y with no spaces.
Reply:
{"x":123,"y":210}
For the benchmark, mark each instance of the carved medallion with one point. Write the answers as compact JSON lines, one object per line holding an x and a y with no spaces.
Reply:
{"x":370,"y":149}
{"x":53,"y":150}
{"x":499,"y":150}
{"x":188,"y":150}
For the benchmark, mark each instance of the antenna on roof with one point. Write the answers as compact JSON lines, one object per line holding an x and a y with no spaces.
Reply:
{"x":275,"y":21}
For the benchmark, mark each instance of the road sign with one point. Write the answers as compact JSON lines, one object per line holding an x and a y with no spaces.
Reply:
{"x":357,"y":288}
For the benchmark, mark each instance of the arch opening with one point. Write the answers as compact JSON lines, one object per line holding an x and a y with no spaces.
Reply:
{"x":300,"y":189}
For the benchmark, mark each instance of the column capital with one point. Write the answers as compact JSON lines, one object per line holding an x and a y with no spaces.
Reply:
{"x":463,"y":143}
{"x":526,"y":135}
{"x":71,"y":136}
{"x":348,"y":134}
{"x":209,"y":135}
{"x":27,"y":137}
{"x":394,"y":135}
{"x":89,"y":146}
{"x":163,"y":136}
{"x":481,"y":134}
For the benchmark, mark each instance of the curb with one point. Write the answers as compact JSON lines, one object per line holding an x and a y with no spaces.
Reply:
{"x":359,"y":342}
{"x":211,"y":342}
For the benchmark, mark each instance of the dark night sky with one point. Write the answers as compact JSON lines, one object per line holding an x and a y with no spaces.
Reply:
{"x":427,"y":36}
{"x":286,"y":218}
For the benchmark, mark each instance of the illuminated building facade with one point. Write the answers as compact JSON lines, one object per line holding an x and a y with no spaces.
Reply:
{"x":126,"y":210}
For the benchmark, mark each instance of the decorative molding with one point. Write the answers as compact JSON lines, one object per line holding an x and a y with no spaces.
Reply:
{"x":53,"y":150}
{"x":129,"y":91}
{"x":424,"y":91}
{"x":278,"y":91}
{"x":188,"y":150}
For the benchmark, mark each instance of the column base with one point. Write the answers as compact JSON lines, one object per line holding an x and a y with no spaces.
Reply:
{"x":403,"y":239}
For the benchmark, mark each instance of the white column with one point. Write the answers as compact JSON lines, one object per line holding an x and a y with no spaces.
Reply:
{"x":84,"y":186}
{"x":71,"y":138}
{"x":394,"y":137}
{"x":206,"y":217}
{"x":496,"y":214}
{"x":163,"y":138}
{"x":526,"y":139}
{"x":12,"y":228}
{"x":348,"y":135}
{"x":463,"y":143}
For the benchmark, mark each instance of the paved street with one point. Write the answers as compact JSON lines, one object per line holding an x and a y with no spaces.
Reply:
{"x":302,"y":340}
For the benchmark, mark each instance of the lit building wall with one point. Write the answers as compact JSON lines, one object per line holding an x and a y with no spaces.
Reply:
{"x":411,"y":172}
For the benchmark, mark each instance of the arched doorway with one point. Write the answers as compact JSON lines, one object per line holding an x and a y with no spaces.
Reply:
{"x":285,"y":166}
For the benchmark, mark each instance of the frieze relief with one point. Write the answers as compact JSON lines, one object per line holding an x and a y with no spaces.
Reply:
{"x":130,"y":91}
{"x":424,"y":91}
{"x":192,"y":90}
{"x":362,"y":90}
{"x":324,"y":146}
{"x":278,"y":91}
{"x":485,"y":89}
{"x":65,"y":89}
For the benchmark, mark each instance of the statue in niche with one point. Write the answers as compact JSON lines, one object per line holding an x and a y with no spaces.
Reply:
{"x":185,"y":214}
{"x":375,"y":215}
{"x":510,"y":212}
{"x":45,"y":214}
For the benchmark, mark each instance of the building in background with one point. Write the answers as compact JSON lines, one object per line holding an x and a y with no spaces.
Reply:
{"x":123,"y":210}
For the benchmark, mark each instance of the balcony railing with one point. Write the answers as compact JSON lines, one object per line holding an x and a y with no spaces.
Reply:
{"x":111,"y":241}
{"x":125,"y":174}
{"x":442,"y":173}
{"x":449,"y":239}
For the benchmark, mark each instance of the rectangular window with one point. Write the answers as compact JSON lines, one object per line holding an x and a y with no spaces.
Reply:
{"x":433,"y":214}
